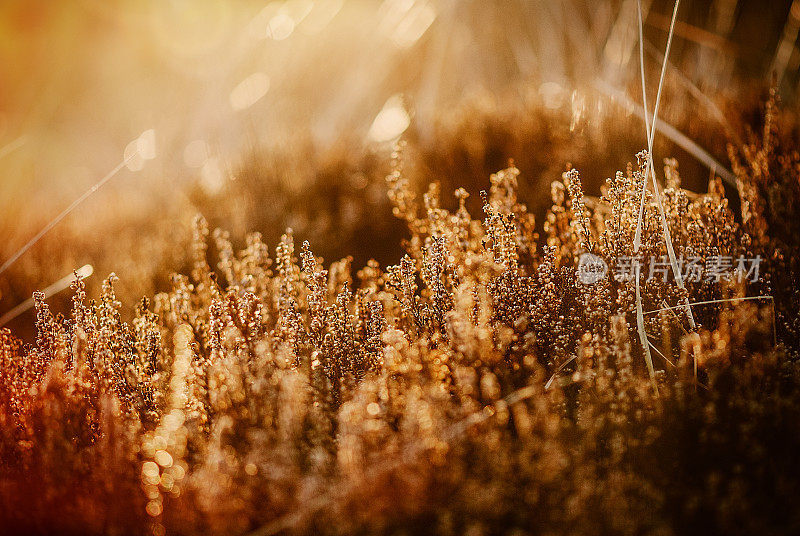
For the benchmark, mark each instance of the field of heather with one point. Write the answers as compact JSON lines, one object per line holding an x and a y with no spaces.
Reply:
{"x":402,"y":267}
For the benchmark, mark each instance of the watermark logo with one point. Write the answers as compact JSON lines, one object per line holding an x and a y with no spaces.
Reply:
{"x":591,"y":269}
{"x":715,"y":268}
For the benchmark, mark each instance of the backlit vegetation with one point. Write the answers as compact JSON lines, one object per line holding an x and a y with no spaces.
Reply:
{"x":477,"y":386}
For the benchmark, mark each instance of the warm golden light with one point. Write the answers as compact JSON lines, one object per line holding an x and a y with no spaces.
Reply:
{"x":399,"y":267}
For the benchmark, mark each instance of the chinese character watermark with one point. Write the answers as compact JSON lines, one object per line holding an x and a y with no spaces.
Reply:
{"x":715,"y":268}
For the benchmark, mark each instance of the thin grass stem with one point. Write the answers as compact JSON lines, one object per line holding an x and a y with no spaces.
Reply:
{"x":21,"y":251}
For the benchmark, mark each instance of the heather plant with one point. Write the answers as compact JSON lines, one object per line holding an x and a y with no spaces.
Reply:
{"x":477,"y":386}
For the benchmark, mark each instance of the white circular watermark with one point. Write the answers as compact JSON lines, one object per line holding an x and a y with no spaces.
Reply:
{"x":591,"y":269}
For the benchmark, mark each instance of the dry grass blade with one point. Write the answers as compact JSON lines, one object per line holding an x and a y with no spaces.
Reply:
{"x":650,"y":172}
{"x":643,"y":340}
{"x":710,"y":105}
{"x":559,"y":369}
{"x":655,"y":348}
{"x":650,"y":131}
{"x":709,"y":302}
{"x":52,"y":223}
{"x":62,"y":284}
{"x":12,"y":146}
{"x":670,"y":132}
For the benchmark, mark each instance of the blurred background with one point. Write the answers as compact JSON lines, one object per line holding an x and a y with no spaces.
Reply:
{"x":267,"y":115}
